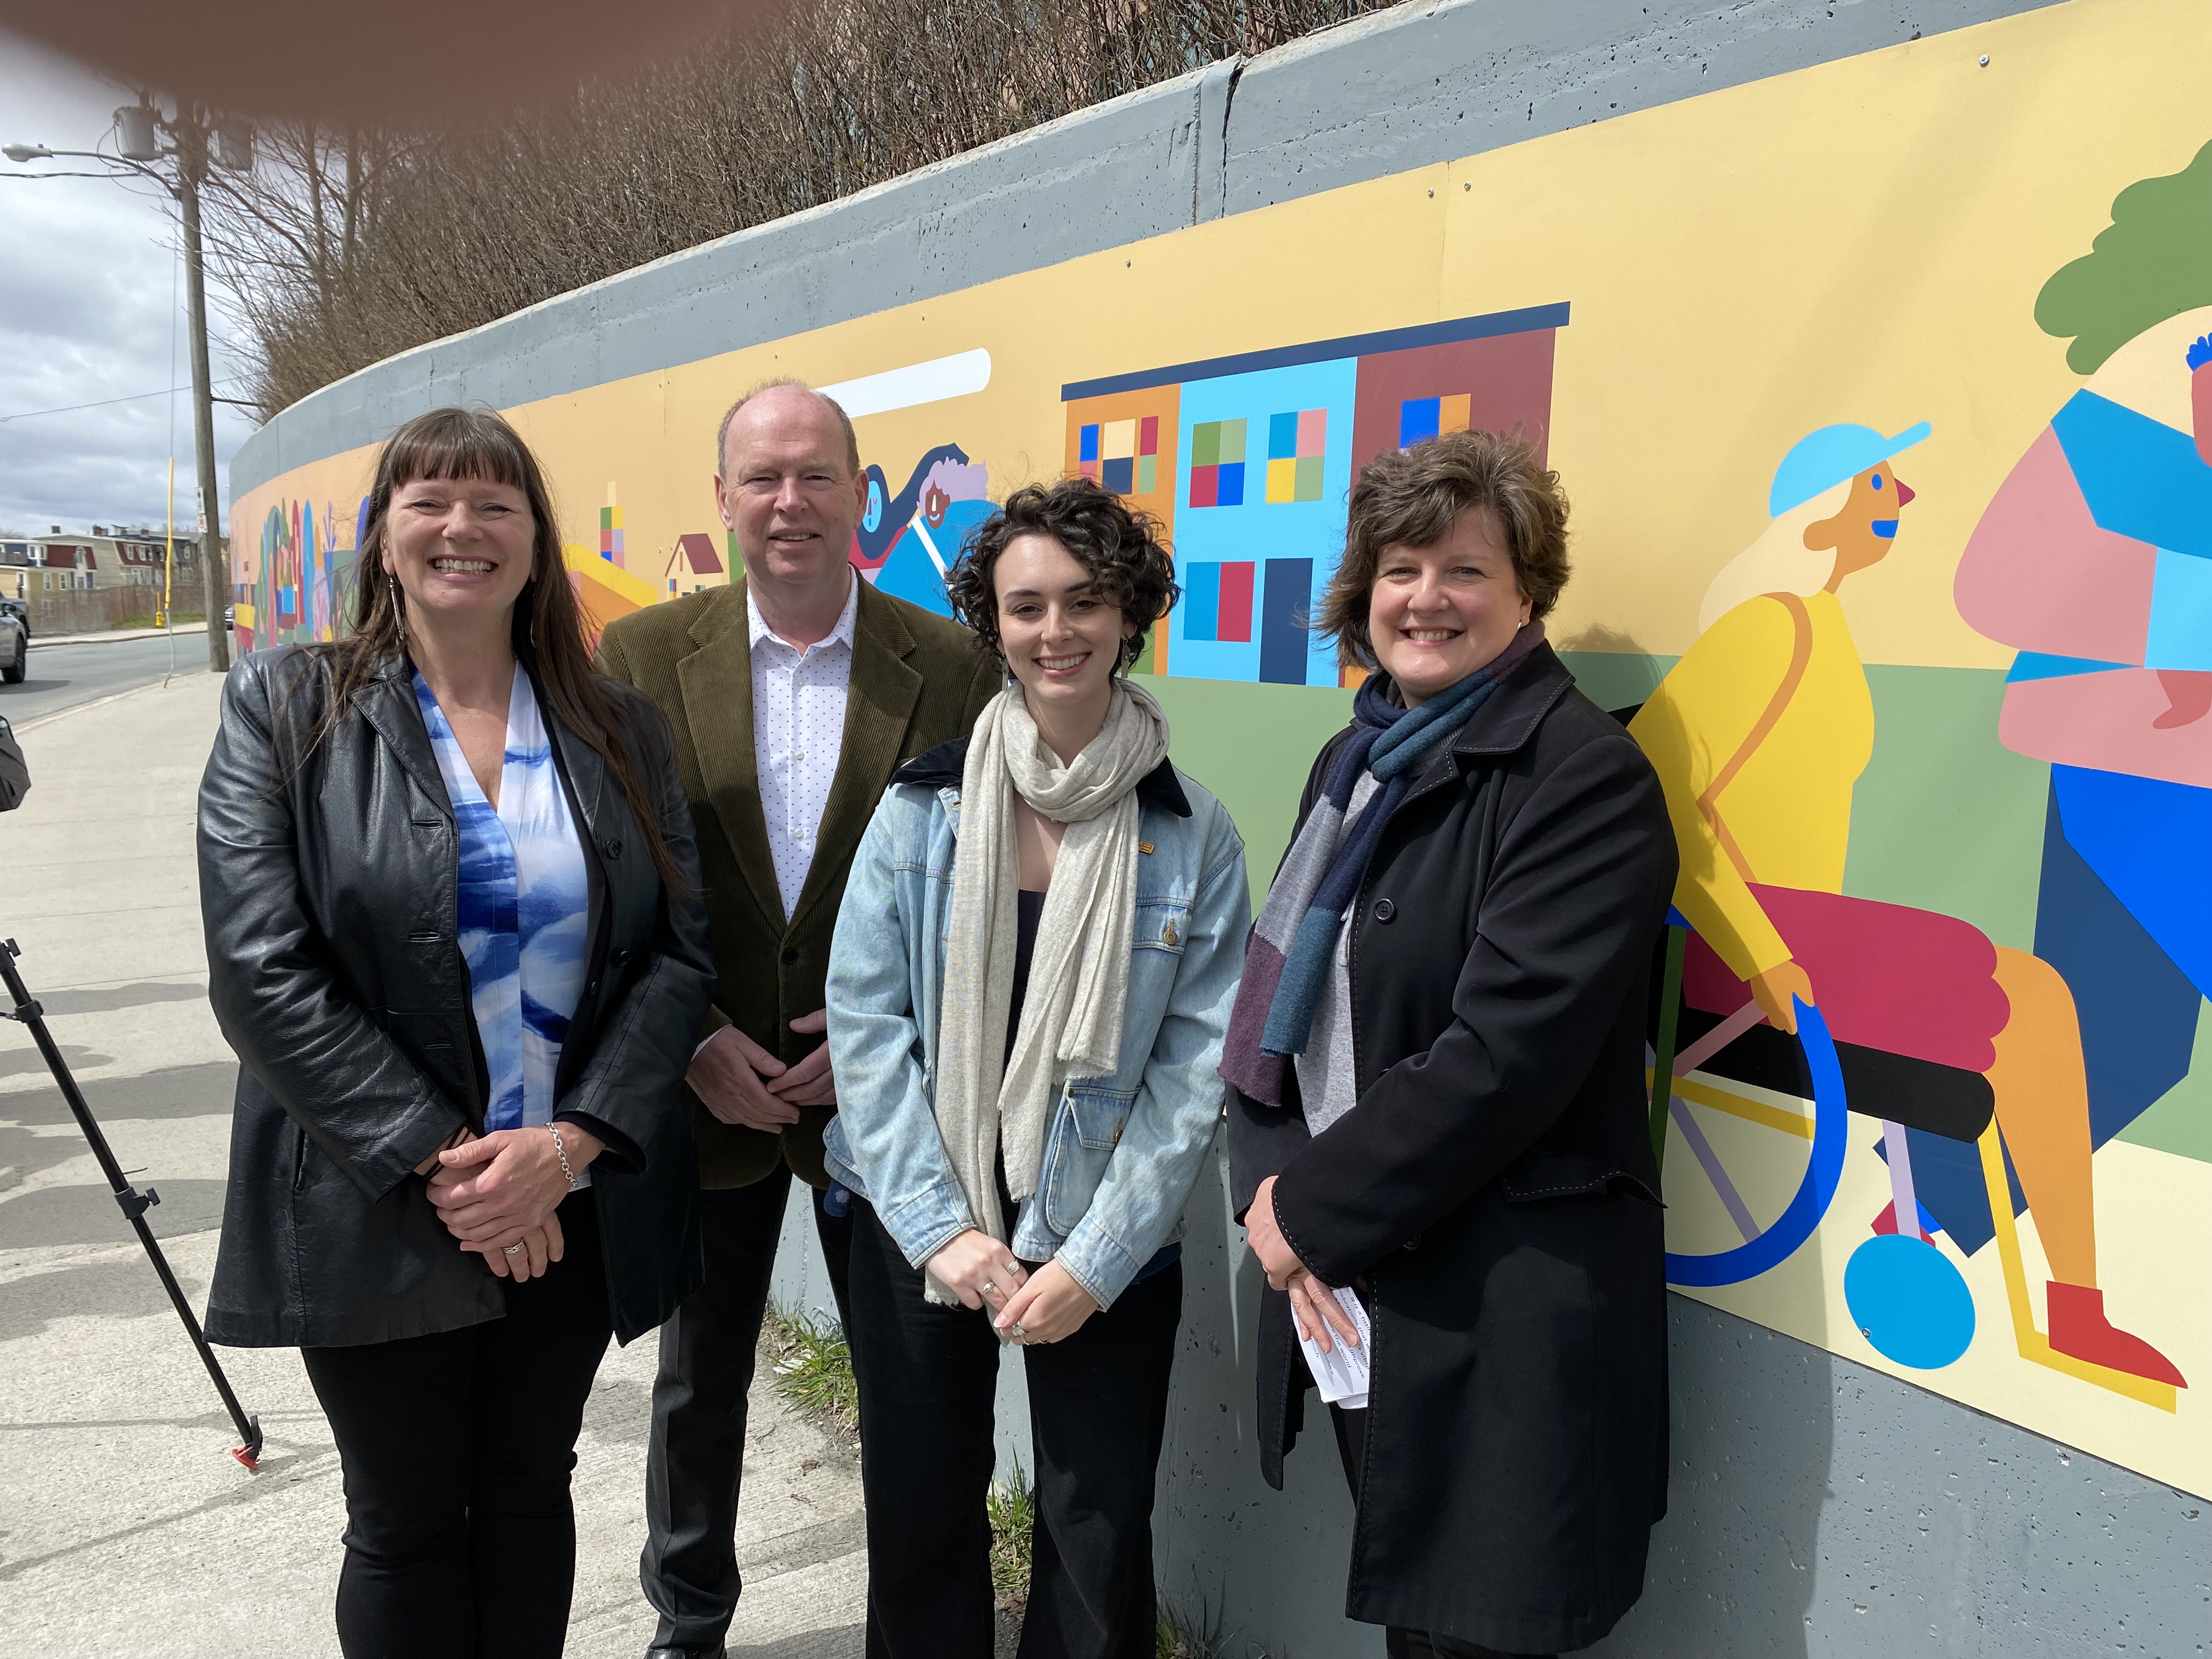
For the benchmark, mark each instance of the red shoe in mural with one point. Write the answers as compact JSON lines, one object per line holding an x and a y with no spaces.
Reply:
{"x":2079,"y":1328}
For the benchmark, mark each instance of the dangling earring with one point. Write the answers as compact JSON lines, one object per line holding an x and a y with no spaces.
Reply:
{"x":398,"y":607}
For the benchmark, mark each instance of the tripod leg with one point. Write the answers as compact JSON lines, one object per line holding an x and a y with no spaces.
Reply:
{"x":133,"y":1204}
{"x":249,"y":1428}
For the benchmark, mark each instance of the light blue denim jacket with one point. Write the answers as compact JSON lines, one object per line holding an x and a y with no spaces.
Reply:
{"x":1124,"y":1152}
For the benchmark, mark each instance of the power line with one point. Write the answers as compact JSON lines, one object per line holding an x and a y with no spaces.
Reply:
{"x":136,"y":397}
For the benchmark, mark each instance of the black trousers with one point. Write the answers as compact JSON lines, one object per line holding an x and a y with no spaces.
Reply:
{"x":1098,"y":1410}
{"x":696,"y":1457}
{"x":461,"y":1542}
{"x":1351,"y":1449}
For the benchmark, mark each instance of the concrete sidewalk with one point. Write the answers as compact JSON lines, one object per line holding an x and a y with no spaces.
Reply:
{"x":124,"y":1528}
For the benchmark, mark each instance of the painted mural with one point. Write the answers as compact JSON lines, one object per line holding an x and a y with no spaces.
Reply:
{"x":1234,"y":457}
{"x":1883,"y":392}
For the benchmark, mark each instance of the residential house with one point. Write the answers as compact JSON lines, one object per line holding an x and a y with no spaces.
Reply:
{"x":108,"y":557}
{"x":694,"y":565}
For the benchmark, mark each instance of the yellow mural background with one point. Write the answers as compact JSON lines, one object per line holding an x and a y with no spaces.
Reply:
{"x":1861,"y":241}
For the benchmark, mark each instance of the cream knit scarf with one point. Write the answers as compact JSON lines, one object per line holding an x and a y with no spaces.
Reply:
{"x":1079,"y":970}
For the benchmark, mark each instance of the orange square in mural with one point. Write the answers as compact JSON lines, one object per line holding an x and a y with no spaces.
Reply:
{"x":1126,"y":440}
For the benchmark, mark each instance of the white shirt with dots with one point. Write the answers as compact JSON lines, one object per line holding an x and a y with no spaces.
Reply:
{"x":799,"y":731}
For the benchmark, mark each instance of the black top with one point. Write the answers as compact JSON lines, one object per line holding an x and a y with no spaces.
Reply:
{"x":1031,"y":913}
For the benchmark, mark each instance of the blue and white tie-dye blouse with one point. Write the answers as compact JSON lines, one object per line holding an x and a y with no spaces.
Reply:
{"x":525,"y":906}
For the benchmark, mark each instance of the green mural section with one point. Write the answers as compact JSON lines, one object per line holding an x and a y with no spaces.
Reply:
{"x":1944,"y":817}
{"x":1617,"y":681}
{"x":1252,"y":745}
{"x":2180,"y":1121}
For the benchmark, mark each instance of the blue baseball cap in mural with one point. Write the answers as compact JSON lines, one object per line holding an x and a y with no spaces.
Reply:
{"x":1833,"y":455}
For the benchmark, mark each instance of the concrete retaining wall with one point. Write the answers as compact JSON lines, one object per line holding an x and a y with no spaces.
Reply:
{"x":1819,"y":1507}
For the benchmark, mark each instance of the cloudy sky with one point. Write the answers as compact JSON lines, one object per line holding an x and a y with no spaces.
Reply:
{"x":91,"y":309}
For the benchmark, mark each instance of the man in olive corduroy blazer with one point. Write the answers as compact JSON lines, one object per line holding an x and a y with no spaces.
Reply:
{"x":782,"y":782}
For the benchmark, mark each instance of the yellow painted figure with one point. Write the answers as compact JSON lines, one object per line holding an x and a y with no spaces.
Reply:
{"x":1759,"y":736}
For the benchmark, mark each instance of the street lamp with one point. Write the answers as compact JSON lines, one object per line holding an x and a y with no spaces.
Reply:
{"x":192,"y":135}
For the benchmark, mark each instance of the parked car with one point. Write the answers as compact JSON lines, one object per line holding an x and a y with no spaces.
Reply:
{"x":15,"y":646}
{"x":19,"y":611}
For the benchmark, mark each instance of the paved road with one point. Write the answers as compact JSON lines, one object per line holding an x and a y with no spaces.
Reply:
{"x":63,"y":675}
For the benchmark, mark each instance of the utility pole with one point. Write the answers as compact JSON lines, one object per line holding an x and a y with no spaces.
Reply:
{"x":214,"y":562}
{"x":139,"y":150}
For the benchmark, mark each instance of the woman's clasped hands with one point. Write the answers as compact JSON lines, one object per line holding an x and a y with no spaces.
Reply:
{"x":1045,"y":1306}
{"x":1313,"y":1305}
{"x":497,"y":1193}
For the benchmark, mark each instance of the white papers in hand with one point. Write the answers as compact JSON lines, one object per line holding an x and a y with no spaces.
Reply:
{"x":1341,"y":1373}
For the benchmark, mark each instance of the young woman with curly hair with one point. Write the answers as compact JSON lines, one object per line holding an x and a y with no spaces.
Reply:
{"x":1031,"y":983}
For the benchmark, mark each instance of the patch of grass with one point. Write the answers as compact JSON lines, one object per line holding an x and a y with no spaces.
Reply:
{"x":1181,"y":1636}
{"x":179,"y":618}
{"x":813,"y":1369}
{"x":1012,"y":1510}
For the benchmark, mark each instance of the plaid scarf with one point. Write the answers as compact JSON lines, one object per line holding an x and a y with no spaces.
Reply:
{"x":1287,"y":961}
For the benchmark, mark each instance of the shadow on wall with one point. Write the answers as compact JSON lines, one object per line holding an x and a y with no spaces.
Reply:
{"x":1733,"y":1565}
{"x":1610,"y":668}
{"x":1264,"y":1571}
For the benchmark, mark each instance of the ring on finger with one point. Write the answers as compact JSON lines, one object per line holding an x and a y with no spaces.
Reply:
{"x":1018,"y":1330}
{"x":989,"y":1289}
{"x":514,"y":1249}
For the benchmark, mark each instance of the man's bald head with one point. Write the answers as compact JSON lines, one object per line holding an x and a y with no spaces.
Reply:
{"x":781,"y":390}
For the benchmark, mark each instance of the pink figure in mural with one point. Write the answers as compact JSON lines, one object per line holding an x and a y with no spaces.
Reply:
{"x":2094,"y":560}
{"x":1758,"y":735}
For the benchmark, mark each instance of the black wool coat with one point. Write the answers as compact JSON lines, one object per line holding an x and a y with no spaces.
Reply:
{"x":330,"y":893}
{"x":1494,"y":1189}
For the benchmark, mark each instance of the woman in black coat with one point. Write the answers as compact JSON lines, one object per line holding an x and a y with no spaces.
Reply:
{"x":452,"y":929}
{"x":1439,"y":1099}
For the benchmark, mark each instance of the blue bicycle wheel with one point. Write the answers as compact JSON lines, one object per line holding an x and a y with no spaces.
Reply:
{"x":1831,"y":1135}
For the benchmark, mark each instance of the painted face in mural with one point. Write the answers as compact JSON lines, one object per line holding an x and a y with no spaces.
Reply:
{"x":1060,"y":639}
{"x":1863,"y":531}
{"x":789,"y":492}
{"x":1439,"y":613}
{"x":460,"y":547}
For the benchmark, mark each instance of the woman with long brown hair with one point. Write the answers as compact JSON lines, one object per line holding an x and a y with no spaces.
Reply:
{"x":453,"y":933}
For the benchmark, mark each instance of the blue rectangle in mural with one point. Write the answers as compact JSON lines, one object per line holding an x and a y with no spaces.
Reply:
{"x":1283,"y":611}
{"x":1202,"y":600}
{"x":1294,"y":539}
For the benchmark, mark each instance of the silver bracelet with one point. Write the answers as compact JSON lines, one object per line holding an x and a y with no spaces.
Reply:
{"x":562,"y":1153}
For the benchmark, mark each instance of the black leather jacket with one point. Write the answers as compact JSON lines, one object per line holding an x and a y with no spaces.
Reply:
{"x":329,"y":894}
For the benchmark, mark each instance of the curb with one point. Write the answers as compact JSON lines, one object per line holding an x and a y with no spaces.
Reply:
{"x":33,"y":725}
{"x":117,"y":636}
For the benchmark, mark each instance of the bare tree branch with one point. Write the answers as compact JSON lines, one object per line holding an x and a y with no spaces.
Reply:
{"x":341,"y":248}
